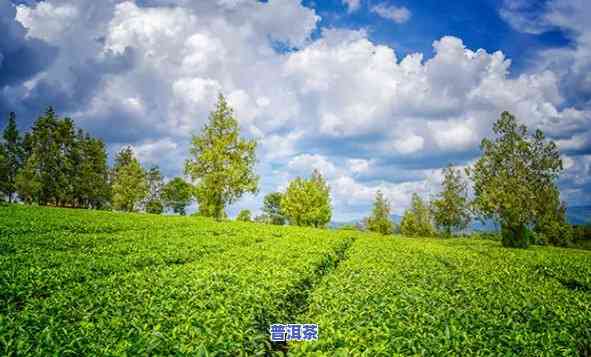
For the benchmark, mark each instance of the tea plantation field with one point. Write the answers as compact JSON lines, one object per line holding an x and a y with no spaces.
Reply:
{"x":75,"y":282}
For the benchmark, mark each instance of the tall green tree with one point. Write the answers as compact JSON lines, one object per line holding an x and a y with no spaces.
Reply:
{"x":48,"y":168}
{"x":272,"y":208}
{"x":514,"y":178}
{"x":307,"y":202}
{"x":90,"y":173}
{"x":177,"y":194}
{"x":221,"y":162}
{"x":63,"y":166}
{"x":451,"y":211}
{"x":551,"y":226}
{"x":130,"y":186}
{"x":12,"y":156}
{"x":153,"y":201}
{"x":380,"y":221}
{"x":244,"y":216}
{"x":95,"y":173}
{"x":417,"y":221}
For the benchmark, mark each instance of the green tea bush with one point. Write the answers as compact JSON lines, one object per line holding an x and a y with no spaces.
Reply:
{"x":451,"y":297}
{"x":76,"y":282}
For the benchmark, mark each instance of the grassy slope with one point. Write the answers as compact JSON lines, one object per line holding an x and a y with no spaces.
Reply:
{"x":80,"y":282}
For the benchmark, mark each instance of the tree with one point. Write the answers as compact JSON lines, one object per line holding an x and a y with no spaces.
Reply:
{"x":451,"y":208}
{"x":262,"y":218}
{"x":272,"y":208}
{"x":244,"y":216}
{"x":12,"y":156}
{"x":380,"y":221}
{"x":49,"y":167}
{"x":514,"y":178}
{"x":90,"y":173}
{"x":61,"y":166}
{"x":153,"y":201}
{"x":307,"y":202}
{"x":551,"y":226}
{"x":177,"y":195}
{"x":130,"y":186}
{"x":416,"y":221}
{"x":221,"y":163}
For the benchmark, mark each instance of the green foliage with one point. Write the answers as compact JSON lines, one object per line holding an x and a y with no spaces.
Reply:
{"x":177,"y":195}
{"x":244,"y":216}
{"x":153,"y":200}
{"x":550,"y":224}
{"x":91,"y":176}
{"x":451,"y":208}
{"x":348,"y":227}
{"x":380,"y":221}
{"x":221,"y":163}
{"x":433,"y":297}
{"x":151,"y":285}
{"x":416,"y":221}
{"x":110,"y":283}
{"x":306,"y":202}
{"x":272,"y":208}
{"x":63,"y":166}
{"x":130,"y":186}
{"x":515,"y":178}
{"x":12,"y":156}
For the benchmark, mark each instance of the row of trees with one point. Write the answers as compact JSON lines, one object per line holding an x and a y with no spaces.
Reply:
{"x":305,"y":202}
{"x":57,"y":164}
{"x":53,"y":164}
{"x":513,"y":181}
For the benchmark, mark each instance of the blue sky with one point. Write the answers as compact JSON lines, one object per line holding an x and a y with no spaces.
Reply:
{"x":477,"y":23}
{"x":375,"y":94}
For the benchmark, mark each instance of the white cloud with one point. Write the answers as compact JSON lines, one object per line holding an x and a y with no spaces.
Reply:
{"x":352,"y":5}
{"x":306,"y":163}
{"x":398,"y":14}
{"x":358,"y":166}
{"x":325,"y":104}
{"x":452,"y":136}
{"x":47,"y":21}
{"x":408,"y":144}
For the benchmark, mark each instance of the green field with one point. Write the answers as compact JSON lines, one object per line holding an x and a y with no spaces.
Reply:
{"x":75,"y":282}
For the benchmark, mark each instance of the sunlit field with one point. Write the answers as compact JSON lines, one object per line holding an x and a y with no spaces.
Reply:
{"x":78,"y":282}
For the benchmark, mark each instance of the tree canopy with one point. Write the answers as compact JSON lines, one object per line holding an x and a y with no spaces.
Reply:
{"x":514,"y":179}
{"x":221,"y":162}
{"x":177,"y":194}
{"x":63,"y":166}
{"x":153,"y":200}
{"x":272,"y":208}
{"x":12,"y":156}
{"x":306,"y":202}
{"x":380,"y":221}
{"x":244,"y":216}
{"x":416,"y":221}
{"x":451,"y":207}
{"x":130,"y":186}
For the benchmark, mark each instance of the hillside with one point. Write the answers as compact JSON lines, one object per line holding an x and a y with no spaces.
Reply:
{"x":76,"y":282}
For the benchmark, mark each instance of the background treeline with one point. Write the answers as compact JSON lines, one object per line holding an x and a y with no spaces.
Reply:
{"x":513,"y":182}
{"x":57,"y":164}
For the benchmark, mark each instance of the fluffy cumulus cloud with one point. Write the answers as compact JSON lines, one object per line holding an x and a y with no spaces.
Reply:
{"x":398,"y":14}
{"x":572,"y":63}
{"x":147,"y":74}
